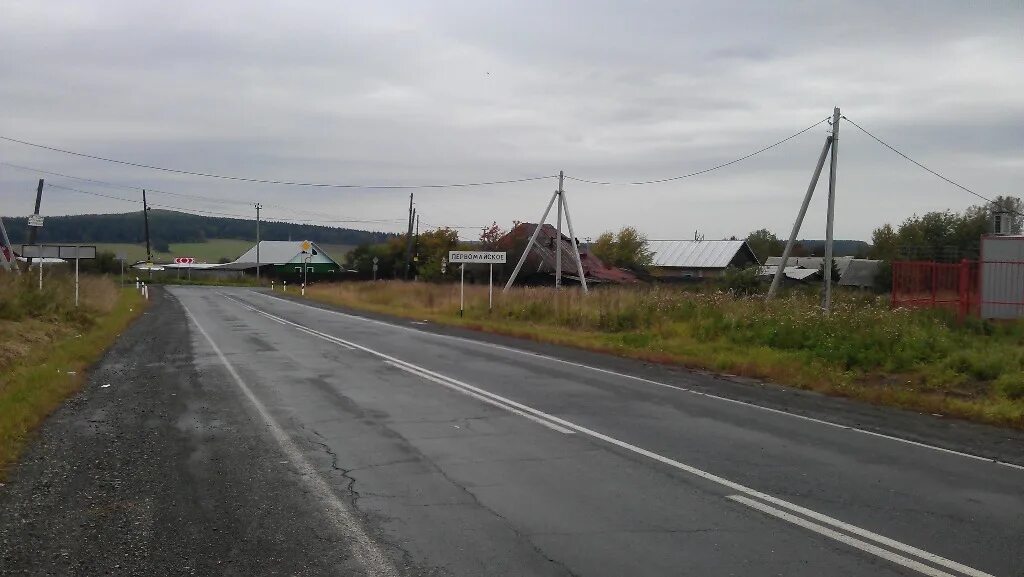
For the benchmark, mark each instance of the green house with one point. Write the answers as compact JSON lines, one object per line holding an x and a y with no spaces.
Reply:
{"x":290,"y":260}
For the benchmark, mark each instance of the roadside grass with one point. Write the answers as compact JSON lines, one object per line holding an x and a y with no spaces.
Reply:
{"x":46,"y":344}
{"x":919,"y":360}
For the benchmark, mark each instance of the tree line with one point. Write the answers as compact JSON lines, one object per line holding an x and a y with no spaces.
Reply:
{"x":166,"y":226}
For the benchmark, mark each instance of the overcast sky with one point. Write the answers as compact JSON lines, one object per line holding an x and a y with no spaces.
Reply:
{"x":460,"y":91}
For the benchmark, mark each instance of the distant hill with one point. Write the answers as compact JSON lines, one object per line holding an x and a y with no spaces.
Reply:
{"x":170,"y":227}
{"x":839,"y":247}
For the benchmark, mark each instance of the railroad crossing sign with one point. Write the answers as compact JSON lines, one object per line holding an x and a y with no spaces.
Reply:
{"x":184,"y":260}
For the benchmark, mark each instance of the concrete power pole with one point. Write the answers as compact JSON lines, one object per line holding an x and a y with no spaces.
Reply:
{"x":258,"y":206}
{"x":33,"y":230}
{"x":145,"y":220}
{"x":827,"y":298}
{"x":558,"y":233}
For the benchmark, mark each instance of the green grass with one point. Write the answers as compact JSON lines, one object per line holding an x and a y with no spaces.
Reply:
{"x":48,"y":344}
{"x":210,"y":251}
{"x":922,"y":360}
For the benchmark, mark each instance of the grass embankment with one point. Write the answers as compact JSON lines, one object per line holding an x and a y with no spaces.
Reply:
{"x":46,"y":344}
{"x":921,"y":360}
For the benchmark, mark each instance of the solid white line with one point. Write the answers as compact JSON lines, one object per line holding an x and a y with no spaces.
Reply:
{"x":482,"y":398}
{"x":857,"y":543}
{"x":651,"y":382}
{"x":345,"y":521}
{"x":920,"y":553}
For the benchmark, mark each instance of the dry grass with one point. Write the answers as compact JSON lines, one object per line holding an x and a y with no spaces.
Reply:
{"x":921,"y":360}
{"x":46,"y":343}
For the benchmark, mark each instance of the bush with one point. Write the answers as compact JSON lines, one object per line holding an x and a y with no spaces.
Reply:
{"x":1010,"y":385}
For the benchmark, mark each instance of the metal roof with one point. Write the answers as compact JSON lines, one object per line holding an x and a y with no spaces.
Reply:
{"x":793,"y":272}
{"x":860,"y":272}
{"x":695,"y":253}
{"x":279,"y":252}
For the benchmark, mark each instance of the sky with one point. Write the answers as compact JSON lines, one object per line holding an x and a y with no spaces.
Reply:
{"x":410,"y":93}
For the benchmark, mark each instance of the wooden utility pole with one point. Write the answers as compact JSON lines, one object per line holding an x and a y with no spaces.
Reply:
{"x":33,"y":230}
{"x":258,"y":207}
{"x":145,"y":219}
{"x":408,"y":240}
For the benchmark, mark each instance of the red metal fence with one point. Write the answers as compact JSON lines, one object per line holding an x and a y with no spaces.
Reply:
{"x":990,"y":289}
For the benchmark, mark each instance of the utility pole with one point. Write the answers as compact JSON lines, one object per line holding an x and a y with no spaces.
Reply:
{"x":408,"y":240}
{"x":558,"y":234}
{"x":827,"y":298}
{"x":32,"y":230}
{"x":8,"y":255}
{"x":800,"y":218}
{"x":258,"y":207}
{"x":145,"y":219}
{"x":563,"y":204}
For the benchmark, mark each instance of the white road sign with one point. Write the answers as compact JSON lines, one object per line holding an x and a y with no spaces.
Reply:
{"x":476,"y":256}
{"x":35,"y":220}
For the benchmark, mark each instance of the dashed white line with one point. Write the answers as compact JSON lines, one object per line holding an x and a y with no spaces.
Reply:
{"x":836,"y":523}
{"x":652,"y":382}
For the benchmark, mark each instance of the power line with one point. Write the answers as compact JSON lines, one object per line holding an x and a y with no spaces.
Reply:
{"x":179,"y":194}
{"x":925,"y":168}
{"x":706,"y":170}
{"x":268,"y":181}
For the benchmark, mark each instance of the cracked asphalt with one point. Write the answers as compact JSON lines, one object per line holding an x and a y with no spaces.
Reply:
{"x":173,"y":469}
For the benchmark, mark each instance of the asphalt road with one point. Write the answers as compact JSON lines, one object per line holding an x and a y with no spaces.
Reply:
{"x":231,"y":432}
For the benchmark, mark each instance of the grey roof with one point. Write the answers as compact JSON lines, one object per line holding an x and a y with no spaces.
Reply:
{"x":810,"y":262}
{"x":695,"y":253}
{"x":793,"y":272}
{"x":861,"y":272}
{"x":277,"y":252}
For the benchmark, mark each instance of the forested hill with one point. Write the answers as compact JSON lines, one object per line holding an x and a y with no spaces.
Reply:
{"x":167,"y":226}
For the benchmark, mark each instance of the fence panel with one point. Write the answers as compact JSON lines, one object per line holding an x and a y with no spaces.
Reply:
{"x":990,"y":289}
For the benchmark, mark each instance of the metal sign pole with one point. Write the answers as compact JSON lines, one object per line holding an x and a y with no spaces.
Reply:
{"x":76,"y":279}
{"x":462,"y":289}
{"x":490,"y":288}
{"x":40,"y":273}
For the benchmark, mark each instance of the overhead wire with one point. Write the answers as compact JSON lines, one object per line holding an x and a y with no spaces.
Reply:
{"x":925,"y":168}
{"x":182,"y":194}
{"x":704,"y":171}
{"x":217,"y":213}
{"x":270,"y":181}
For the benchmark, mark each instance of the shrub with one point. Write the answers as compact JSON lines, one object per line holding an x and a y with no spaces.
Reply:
{"x":1010,"y":385}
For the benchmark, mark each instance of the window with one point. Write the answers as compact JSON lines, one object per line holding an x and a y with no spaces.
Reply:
{"x":298,"y":269}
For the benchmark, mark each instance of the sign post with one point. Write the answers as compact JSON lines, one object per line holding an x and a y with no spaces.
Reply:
{"x":475,"y":257}
{"x":374,"y":268}
{"x":58,"y":251}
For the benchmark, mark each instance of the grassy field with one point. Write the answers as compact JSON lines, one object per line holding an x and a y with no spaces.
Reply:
{"x":922,"y":360}
{"x":209,"y":251}
{"x":46,"y":344}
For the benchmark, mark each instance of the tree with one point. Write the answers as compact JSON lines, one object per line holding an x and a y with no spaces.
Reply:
{"x":434,"y":246}
{"x":490,"y":235}
{"x":764,"y":244}
{"x":626,"y":249}
{"x":1015,"y":207}
{"x":884,"y":243}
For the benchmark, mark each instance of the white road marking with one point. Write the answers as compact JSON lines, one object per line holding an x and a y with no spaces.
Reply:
{"x":364,"y":549}
{"x":455,"y":387}
{"x":651,"y":382}
{"x":845,"y":539}
{"x":881,"y":539}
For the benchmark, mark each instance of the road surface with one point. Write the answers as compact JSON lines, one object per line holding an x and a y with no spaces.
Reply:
{"x":233,"y":432}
